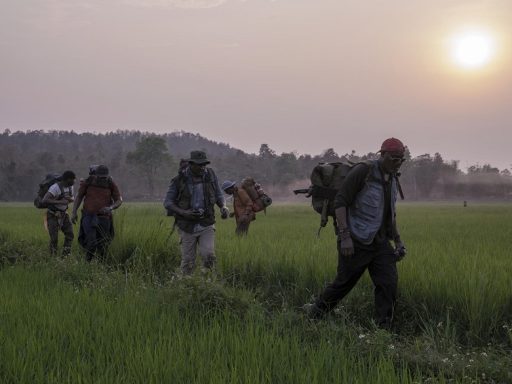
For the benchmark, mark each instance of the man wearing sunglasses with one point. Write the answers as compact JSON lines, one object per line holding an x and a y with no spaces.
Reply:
{"x":366,"y":225}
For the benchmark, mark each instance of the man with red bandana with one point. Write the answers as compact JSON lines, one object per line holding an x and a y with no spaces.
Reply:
{"x":366,"y":225}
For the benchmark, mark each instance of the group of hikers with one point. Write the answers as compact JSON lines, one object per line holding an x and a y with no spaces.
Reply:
{"x":100,"y":195}
{"x":362,"y":206}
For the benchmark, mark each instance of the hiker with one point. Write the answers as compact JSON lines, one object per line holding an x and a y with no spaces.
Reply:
{"x":366,"y":223}
{"x":57,"y":199}
{"x":192,"y":196}
{"x":101,"y":196}
{"x":242,"y":207}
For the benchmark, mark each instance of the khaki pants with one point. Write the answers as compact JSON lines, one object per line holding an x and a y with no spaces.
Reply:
{"x":190,"y":242}
{"x":59,"y":221}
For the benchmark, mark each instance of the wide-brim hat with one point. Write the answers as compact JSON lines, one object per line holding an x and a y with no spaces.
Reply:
{"x":198,"y":157}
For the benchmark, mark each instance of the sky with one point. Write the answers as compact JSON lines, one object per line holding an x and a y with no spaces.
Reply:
{"x":300,"y":75}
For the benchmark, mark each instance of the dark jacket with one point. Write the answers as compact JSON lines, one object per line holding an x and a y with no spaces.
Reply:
{"x":181,"y":192}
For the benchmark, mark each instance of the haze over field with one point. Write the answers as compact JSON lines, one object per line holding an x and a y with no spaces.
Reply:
{"x":299,"y":74}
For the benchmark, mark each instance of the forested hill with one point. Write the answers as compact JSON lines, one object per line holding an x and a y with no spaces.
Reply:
{"x":143,"y":164}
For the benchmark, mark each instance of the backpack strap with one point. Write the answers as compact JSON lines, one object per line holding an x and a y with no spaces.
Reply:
{"x":89,"y":182}
{"x":400,"y":191}
{"x":181,"y":181}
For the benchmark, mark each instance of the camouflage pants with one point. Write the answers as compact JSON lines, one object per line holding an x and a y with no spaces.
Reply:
{"x":191,"y":242}
{"x":60,"y":222}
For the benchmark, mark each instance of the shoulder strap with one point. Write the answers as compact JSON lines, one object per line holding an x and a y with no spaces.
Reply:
{"x":210,"y":175}
{"x":371,"y":165}
{"x":180,"y":180}
{"x":399,"y":186}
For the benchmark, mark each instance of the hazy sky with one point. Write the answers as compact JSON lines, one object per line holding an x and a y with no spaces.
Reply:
{"x":301,"y":75}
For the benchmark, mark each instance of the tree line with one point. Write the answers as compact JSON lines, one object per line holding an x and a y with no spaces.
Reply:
{"x":144,"y":163}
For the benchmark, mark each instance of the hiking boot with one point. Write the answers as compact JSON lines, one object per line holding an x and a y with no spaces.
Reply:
{"x":312,"y":311}
{"x":385,"y":324}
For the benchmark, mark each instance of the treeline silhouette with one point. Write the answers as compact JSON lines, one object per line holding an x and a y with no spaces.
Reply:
{"x":143,"y":164}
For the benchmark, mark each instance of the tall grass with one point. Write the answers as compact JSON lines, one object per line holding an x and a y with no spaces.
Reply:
{"x":129,"y":318}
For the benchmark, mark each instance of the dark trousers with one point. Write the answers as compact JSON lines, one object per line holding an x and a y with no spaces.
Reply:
{"x":59,"y":221}
{"x":96,"y":233}
{"x":381,"y":264}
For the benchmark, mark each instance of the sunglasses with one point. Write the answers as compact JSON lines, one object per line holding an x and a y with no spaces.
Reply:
{"x":397,"y":159}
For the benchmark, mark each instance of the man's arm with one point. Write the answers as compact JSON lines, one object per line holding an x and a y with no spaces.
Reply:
{"x":116,"y":197}
{"x":51,"y":200}
{"x":171,"y":204}
{"x":400,"y":250}
{"x":77,"y":203}
{"x":351,"y":186}
{"x":219,"y":196}
{"x":117,"y":200}
{"x":396,"y":233}
{"x":51,"y":196}
{"x":346,"y":196}
{"x":170,"y":197}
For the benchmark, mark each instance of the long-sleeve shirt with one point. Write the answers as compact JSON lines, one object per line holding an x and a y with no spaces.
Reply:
{"x":351,"y":187}
{"x":195,"y":189}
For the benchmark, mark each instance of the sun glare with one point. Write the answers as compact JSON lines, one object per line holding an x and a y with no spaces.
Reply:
{"x":473,"y":49}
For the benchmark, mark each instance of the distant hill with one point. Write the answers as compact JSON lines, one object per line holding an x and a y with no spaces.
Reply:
{"x":26,"y":157}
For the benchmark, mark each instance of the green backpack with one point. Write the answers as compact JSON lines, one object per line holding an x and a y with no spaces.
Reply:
{"x":326,"y":181}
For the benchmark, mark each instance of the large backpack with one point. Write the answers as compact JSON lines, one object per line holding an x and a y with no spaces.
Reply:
{"x":326,"y":181}
{"x":258,"y":196}
{"x":49,"y":180}
{"x":97,"y":181}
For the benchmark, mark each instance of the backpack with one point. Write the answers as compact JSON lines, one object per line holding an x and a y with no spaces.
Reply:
{"x":258,"y":196}
{"x":96,"y":181}
{"x":326,"y":181}
{"x":49,"y":180}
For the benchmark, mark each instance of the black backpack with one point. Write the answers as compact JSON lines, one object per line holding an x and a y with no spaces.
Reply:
{"x":49,"y":180}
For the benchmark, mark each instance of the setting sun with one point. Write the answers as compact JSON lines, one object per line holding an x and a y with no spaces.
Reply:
{"x":473,"y":49}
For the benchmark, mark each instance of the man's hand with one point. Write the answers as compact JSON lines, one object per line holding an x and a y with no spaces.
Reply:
{"x":224,"y":213}
{"x":188,"y":214}
{"x":346,"y":244}
{"x":105,"y":210}
{"x":74,"y":217}
{"x":69,"y":199}
{"x":400,"y":250}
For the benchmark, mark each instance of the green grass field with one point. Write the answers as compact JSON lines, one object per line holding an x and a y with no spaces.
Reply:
{"x":129,"y":319}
